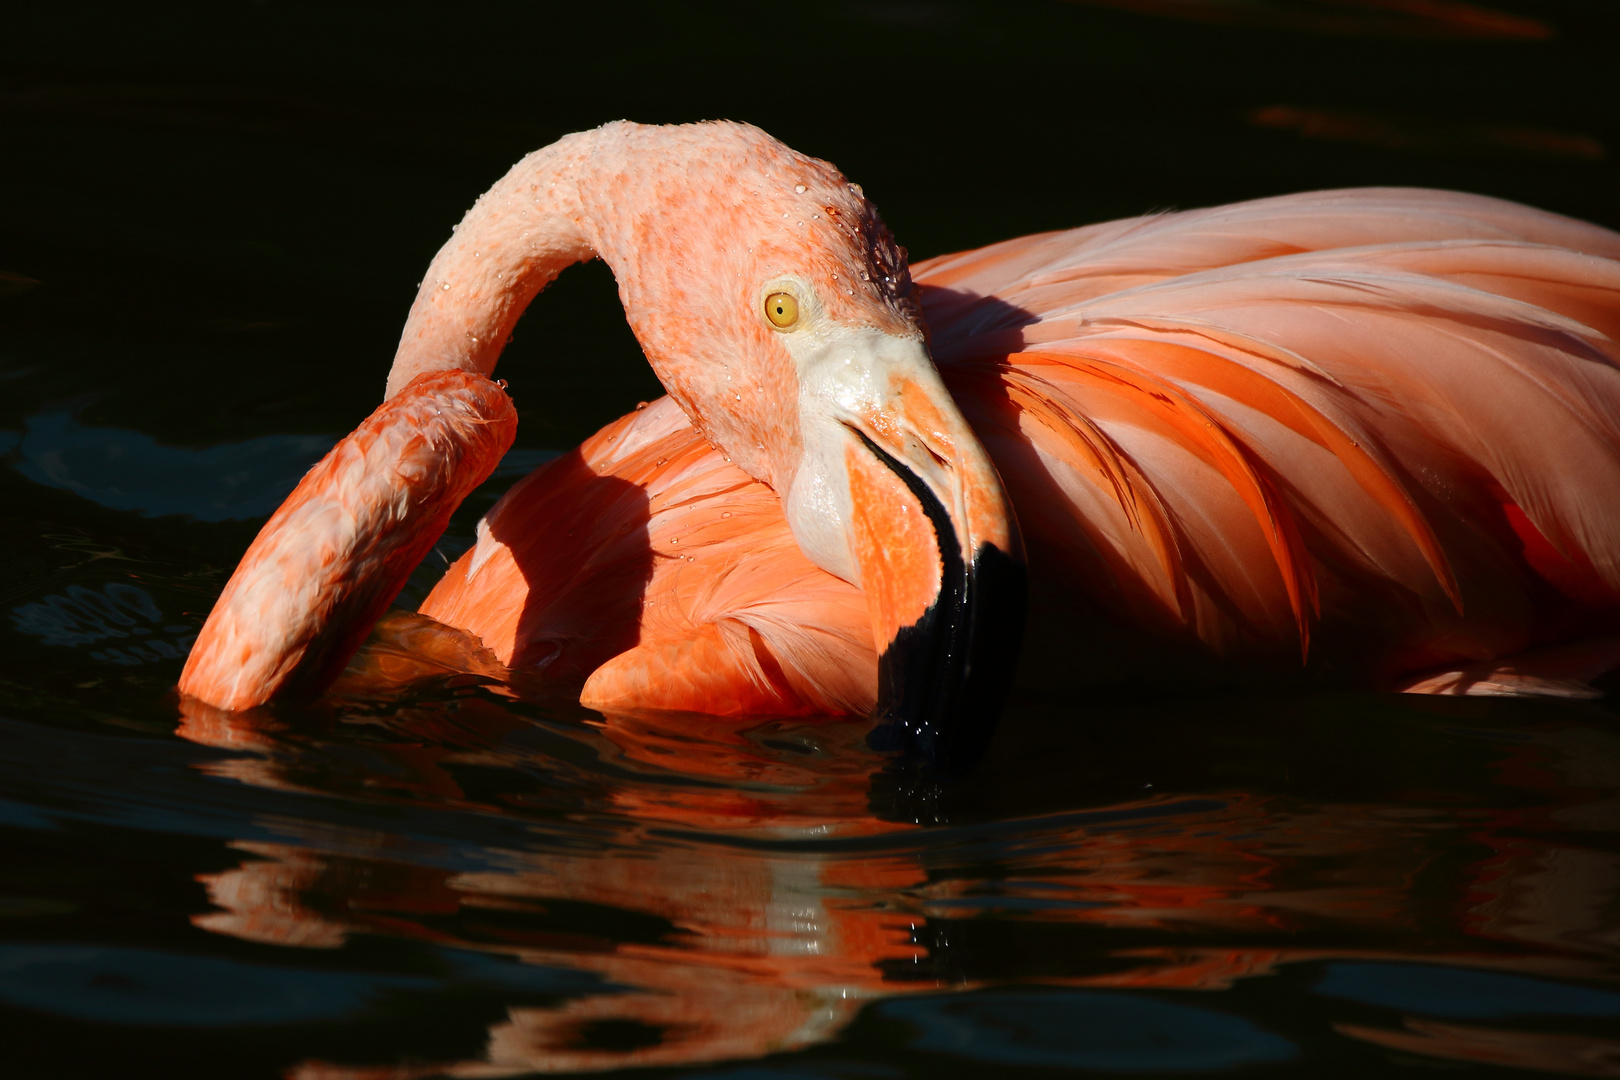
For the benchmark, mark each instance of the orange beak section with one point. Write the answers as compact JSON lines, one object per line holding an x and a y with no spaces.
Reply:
{"x":947,"y":603}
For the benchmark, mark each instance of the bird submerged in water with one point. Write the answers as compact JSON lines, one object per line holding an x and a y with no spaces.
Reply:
{"x":1366,"y":437}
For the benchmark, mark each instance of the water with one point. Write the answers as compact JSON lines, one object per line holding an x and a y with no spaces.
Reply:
{"x":211,"y":225}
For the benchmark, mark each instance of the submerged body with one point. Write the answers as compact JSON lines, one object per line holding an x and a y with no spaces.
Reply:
{"x":1351,"y":436}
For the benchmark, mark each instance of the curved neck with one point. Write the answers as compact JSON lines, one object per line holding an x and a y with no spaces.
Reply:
{"x":691,"y":220}
{"x":518,"y":236}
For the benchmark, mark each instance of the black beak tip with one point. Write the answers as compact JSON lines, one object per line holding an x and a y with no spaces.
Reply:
{"x":943,"y":681}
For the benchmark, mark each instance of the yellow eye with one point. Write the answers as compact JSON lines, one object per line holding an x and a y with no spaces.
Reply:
{"x":782,"y":309}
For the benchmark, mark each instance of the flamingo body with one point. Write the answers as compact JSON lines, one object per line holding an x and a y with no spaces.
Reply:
{"x":1350,"y":436}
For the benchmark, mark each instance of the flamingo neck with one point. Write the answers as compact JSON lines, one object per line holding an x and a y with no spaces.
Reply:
{"x":691,"y":220}
{"x":519,"y":235}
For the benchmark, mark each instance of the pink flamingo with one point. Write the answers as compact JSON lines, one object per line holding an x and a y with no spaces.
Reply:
{"x":1366,"y":436}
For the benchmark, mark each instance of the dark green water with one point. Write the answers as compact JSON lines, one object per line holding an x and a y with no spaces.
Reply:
{"x":211,"y":225}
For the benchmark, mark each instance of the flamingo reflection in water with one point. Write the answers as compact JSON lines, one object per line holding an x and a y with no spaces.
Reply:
{"x":758,"y":888}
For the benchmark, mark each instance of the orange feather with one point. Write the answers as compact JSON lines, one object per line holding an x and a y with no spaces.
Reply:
{"x":1376,"y":429}
{"x":1350,"y":407}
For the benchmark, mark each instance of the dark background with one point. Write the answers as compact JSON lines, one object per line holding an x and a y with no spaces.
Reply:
{"x":228,"y":205}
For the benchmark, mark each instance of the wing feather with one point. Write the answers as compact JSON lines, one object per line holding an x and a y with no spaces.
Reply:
{"x":1396,"y":385}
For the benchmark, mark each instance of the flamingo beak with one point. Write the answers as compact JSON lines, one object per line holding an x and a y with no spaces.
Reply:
{"x":927,"y":532}
{"x":947,"y":612}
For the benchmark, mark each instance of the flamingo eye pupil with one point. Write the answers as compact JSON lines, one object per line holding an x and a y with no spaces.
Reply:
{"x":782,"y":309}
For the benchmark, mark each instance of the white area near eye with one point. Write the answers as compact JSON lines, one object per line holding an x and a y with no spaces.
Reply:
{"x":847,"y":375}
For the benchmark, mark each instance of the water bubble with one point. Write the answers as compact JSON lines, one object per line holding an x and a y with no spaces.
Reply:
{"x":799,"y":188}
{"x":728,"y":512}
{"x":445,"y":286}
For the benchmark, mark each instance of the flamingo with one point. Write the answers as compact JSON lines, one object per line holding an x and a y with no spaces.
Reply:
{"x":1366,"y":437}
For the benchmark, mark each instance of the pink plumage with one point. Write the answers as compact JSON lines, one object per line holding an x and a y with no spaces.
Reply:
{"x":1352,"y":436}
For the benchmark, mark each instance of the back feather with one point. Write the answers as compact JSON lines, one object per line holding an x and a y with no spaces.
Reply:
{"x":1380,"y":428}
{"x":1379,"y":406}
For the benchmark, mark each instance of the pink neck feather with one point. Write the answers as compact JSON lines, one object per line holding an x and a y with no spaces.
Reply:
{"x":515,"y":240}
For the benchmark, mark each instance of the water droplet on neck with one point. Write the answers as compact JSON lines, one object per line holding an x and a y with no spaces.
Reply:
{"x":799,"y":188}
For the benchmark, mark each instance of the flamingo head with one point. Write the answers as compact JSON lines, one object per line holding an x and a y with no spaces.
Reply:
{"x":779,"y":312}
